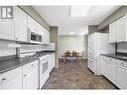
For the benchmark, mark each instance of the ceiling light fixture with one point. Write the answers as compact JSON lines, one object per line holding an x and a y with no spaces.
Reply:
{"x":79,"y":11}
{"x":71,"y":33}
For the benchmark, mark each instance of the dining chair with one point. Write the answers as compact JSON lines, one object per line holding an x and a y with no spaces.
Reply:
{"x":67,"y":56}
{"x":75,"y":56}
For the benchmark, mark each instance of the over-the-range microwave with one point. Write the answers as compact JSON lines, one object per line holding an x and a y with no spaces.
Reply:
{"x":34,"y":37}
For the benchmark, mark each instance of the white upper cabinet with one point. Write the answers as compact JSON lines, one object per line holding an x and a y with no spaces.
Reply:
{"x":118,"y":31}
{"x":20,"y":24}
{"x":39,"y":29}
{"x":32,"y":24}
{"x":112,"y":32}
{"x":7,"y":29}
{"x":121,"y":29}
{"x":46,"y":39}
{"x":18,"y":28}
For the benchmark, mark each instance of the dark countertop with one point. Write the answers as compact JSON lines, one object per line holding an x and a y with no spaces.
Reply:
{"x":117,"y":56}
{"x":9,"y":64}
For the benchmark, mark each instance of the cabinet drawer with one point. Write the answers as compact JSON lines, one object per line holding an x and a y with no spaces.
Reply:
{"x":122,"y":63}
{"x":30,"y":66}
{"x":4,"y":77}
{"x":121,"y":77}
{"x":112,"y":60}
{"x":104,"y":57}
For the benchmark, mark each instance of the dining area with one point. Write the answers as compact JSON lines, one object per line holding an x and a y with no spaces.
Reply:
{"x":71,"y":57}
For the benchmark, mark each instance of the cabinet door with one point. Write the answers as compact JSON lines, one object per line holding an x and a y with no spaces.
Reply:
{"x":7,"y":30}
{"x":30,"y":80}
{"x":121,"y":29}
{"x":121,"y":77}
{"x":31,"y":24}
{"x":103,"y":66}
{"x":20,"y":25}
{"x":15,"y":83}
{"x":51,"y":61}
{"x":44,"y":37}
{"x":48,"y":37}
{"x":111,"y":72}
{"x":112,"y":32}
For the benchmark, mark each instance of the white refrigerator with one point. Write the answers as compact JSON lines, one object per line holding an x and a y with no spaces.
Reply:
{"x":98,"y":44}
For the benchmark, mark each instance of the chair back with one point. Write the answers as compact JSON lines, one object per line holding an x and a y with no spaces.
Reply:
{"x":68,"y":54}
{"x":74,"y":54}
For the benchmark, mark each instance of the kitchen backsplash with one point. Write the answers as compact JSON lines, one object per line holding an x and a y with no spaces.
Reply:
{"x":122,"y":47}
{"x":5,"y":49}
{"x":9,"y":48}
{"x":30,"y":48}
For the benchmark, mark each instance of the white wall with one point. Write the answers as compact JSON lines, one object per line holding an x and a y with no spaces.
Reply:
{"x":73,"y":43}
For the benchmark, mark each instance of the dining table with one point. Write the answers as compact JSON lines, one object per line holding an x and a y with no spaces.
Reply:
{"x":77,"y":58}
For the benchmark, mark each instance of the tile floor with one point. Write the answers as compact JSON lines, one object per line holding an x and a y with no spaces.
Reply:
{"x":75,"y":76}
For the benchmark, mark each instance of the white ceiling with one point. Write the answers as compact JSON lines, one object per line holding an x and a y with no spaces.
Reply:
{"x":60,"y":16}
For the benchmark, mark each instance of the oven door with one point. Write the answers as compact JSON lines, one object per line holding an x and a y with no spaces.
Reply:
{"x":44,"y":72}
{"x":43,"y":67}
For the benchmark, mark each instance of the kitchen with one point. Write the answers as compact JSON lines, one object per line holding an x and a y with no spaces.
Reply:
{"x":27,"y":58}
{"x":30,"y":49}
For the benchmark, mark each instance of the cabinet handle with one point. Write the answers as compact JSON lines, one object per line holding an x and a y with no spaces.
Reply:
{"x":24,"y":75}
{"x":3,"y":78}
{"x":122,"y":63}
{"x":32,"y":65}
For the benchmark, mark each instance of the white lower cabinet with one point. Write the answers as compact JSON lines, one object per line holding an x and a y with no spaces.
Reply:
{"x":116,"y":71}
{"x":121,"y":75}
{"x":30,"y":75}
{"x":15,"y":83}
{"x":104,"y":66}
{"x":51,"y":61}
{"x":111,"y":70}
{"x":24,"y":77}
{"x":30,"y":80}
{"x":11,"y":79}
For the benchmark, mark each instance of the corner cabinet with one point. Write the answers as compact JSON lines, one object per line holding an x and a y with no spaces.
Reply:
{"x":20,"y":24}
{"x":118,"y":30}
